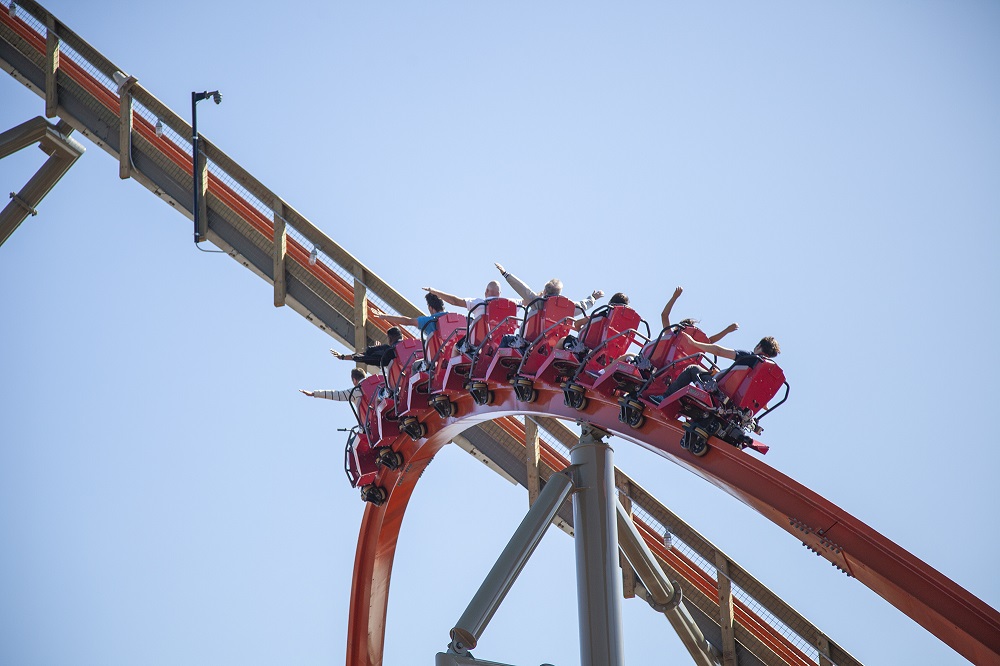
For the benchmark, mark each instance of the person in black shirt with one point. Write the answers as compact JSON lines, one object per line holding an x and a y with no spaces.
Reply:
{"x":767,"y":348}
{"x":380,"y":355}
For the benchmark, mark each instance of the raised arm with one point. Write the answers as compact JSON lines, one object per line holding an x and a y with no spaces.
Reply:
{"x":522,"y":289}
{"x":342,"y":357}
{"x":447,"y":298}
{"x":587,"y":303}
{"x":710,"y":348}
{"x":342,"y":395}
{"x":724,"y":332}
{"x":665,"y":315}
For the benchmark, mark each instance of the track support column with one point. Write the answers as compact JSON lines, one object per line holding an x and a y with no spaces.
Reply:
{"x":598,"y":584}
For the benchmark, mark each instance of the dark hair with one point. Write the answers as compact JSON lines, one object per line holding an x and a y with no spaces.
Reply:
{"x":618,"y":299}
{"x":434,"y":302}
{"x":769,"y":347}
{"x":688,"y":322}
{"x":358,"y":374}
{"x":394,"y":335}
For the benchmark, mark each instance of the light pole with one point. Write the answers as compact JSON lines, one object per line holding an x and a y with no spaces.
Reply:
{"x":195,"y":174}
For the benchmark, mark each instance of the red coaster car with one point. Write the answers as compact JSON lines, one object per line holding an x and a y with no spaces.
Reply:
{"x":428,"y":374}
{"x":608,"y":334}
{"x":486,"y":325}
{"x":398,"y":402}
{"x":546,"y":324}
{"x":361,"y":467}
{"x":371,"y":387}
{"x":375,"y":429}
{"x":654,"y":366}
{"x":728,"y":406}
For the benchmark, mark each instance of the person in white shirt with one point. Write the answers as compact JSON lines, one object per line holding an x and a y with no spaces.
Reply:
{"x":552,"y":288}
{"x":343,"y":395}
{"x":492,"y":291}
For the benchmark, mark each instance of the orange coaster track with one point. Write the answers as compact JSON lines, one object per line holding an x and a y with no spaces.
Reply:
{"x":947,"y":610}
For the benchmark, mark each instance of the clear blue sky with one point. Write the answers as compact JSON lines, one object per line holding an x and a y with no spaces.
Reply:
{"x":826,"y":173}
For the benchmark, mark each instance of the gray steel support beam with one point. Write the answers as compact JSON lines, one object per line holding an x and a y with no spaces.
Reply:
{"x":661,"y":593}
{"x":63,"y":152}
{"x":469,"y":628}
{"x":629,"y":578}
{"x":598,"y":585}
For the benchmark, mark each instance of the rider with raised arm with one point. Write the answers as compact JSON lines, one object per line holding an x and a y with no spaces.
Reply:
{"x":492,"y":291}
{"x":665,"y":319}
{"x":767,"y":348}
{"x":380,"y":355}
{"x":343,"y":395}
{"x":618,"y":298}
{"x":434,"y":305}
{"x":552,"y":288}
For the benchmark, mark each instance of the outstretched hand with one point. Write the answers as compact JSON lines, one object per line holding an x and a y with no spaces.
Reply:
{"x":427,"y":289}
{"x":732,"y":327}
{"x":499,"y":267}
{"x":336,"y":354}
{"x":678,"y":291}
{"x":304,"y":392}
{"x":597,"y":294}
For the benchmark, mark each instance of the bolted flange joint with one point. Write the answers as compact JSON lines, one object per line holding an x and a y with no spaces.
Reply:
{"x":673,"y":602}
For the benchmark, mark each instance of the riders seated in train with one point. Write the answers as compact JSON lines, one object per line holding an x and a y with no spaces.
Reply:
{"x":549,"y":317}
{"x":767,"y":348}
{"x":426,"y":323}
{"x":590,"y":323}
{"x":471,"y":304}
{"x":618,"y":298}
{"x":379,"y":355}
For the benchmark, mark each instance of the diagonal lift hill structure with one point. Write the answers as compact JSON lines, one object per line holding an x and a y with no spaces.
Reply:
{"x":741,"y":620}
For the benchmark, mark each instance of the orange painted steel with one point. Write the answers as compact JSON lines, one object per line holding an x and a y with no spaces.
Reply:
{"x":944,"y":608}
